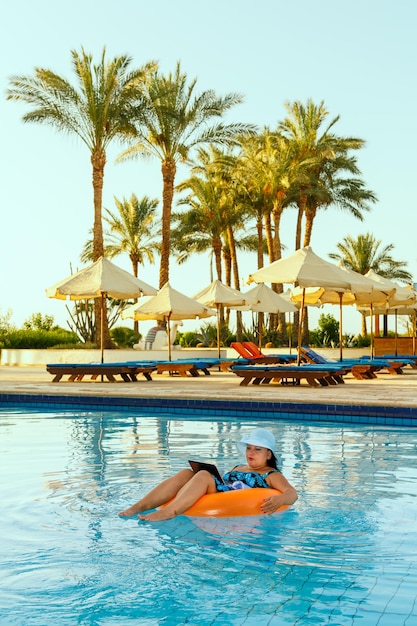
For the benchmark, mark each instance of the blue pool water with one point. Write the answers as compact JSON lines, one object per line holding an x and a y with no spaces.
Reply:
{"x":345,"y":553}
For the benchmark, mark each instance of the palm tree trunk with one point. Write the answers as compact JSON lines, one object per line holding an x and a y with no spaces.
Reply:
{"x":98,"y":161}
{"x":269,"y":237}
{"x":235,"y":268}
{"x":277,"y":249}
{"x":227,"y":266}
{"x":299,"y":226}
{"x":217,"y":249}
{"x":260,"y":232}
{"x":135,"y":273}
{"x":310,"y":215}
{"x":260,"y":254}
{"x":169,"y":169}
{"x":225,"y":315}
{"x":298,"y":233}
{"x":364,"y":329}
{"x":276,"y":215}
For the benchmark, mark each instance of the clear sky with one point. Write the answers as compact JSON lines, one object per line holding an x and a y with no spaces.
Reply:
{"x":359,"y":57}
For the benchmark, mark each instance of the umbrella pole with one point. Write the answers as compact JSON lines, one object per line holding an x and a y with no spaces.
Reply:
{"x":169,"y":337}
{"x":340,"y":327}
{"x":396,"y":332}
{"x":372,"y":331}
{"x":218,"y":329}
{"x":102,"y":327}
{"x":259,"y":325}
{"x":300,"y":328}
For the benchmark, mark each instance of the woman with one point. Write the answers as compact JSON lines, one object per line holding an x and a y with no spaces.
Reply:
{"x":186,"y":487}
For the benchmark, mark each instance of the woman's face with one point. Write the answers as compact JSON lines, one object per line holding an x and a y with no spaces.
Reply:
{"x":256,"y":456}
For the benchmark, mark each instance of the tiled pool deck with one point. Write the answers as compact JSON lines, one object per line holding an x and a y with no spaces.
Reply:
{"x":389,"y":400}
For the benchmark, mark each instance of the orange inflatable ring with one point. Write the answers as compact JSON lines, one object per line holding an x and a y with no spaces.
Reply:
{"x":236,"y":503}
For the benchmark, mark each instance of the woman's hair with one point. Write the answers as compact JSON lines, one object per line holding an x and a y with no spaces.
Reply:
{"x":272,"y":462}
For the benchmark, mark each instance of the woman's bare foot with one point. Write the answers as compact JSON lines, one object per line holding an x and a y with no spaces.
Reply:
{"x":127,"y":513}
{"x":132,"y":510}
{"x":159,"y":516}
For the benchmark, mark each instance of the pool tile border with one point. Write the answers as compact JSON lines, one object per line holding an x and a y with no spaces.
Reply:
{"x":340,"y":413}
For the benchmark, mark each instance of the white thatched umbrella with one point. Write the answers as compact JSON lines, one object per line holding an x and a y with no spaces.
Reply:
{"x":100,"y":279}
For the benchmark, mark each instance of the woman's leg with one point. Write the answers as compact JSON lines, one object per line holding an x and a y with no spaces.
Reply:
{"x":199,"y":485}
{"x":162,"y":493}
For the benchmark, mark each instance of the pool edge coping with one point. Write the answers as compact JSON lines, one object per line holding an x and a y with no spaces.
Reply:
{"x":340,"y":413}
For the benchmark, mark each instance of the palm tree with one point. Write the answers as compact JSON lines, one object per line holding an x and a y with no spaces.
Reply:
{"x":252,"y":190}
{"x":131,"y":232}
{"x":364,"y":254}
{"x":97,"y":111}
{"x":262,"y":175}
{"x":332,"y":188}
{"x":201,"y":227}
{"x":325,"y":165}
{"x":220,"y":211}
{"x":270,"y":173}
{"x":325,"y":159}
{"x":213,"y":187}
{"x":172,"y":122}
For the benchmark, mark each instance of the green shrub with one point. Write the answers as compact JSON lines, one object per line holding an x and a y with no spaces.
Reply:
{"x":6,"y":324}
{"x":37,"y":339}
{"x":348,"y":340}
{"x":124,"y":337}
{"x":327,"y":334}
{"x":315,"y":338}
{"x":272,"y":337}
{"x":208,"y":334}
{"x":76,"y":346}
{"x":360,"y":341}
{"x":190,"y":339}
{"x":38,"y":321}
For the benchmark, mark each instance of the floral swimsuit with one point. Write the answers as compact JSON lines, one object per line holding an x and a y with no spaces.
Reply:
{"x":241,"y":480}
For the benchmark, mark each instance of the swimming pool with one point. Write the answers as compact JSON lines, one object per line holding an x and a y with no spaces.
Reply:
{"x":345,"y":553}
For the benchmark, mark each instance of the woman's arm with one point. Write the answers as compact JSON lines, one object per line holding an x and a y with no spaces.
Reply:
{"x":288,"y":493}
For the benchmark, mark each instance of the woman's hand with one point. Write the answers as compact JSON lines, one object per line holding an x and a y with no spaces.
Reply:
{"x":288,"y":494}
{"x":271,"y":504}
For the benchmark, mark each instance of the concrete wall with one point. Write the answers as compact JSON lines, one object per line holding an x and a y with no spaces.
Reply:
{"x":11,"y":356}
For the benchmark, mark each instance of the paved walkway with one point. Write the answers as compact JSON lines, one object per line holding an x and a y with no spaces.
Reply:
{"x":387,"y":390}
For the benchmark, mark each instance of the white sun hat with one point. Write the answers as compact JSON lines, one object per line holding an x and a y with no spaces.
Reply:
{"x":258,"y":437}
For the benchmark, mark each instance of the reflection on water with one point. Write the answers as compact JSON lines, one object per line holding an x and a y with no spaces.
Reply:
{"x":346,"y":553}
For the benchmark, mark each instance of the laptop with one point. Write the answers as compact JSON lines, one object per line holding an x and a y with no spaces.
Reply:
{"x":196,"y":466}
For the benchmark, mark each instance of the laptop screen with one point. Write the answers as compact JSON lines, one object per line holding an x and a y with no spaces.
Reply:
{"x":196,"y":466}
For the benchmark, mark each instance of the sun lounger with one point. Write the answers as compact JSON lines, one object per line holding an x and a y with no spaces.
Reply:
{"x":78,"y":371}
{"x":172,"y":367}
{"x":362,"y":368}
{"x":185,"y":366}
{"x":129,"y":370}
{"x":392,"y":366}
{"x":204,"y":364}
{"x":249,"y":357}
{"x":182,"y":367}
{"x":314,"y":375}
{"x":257,"y":353}
{"x":406,"y":359}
